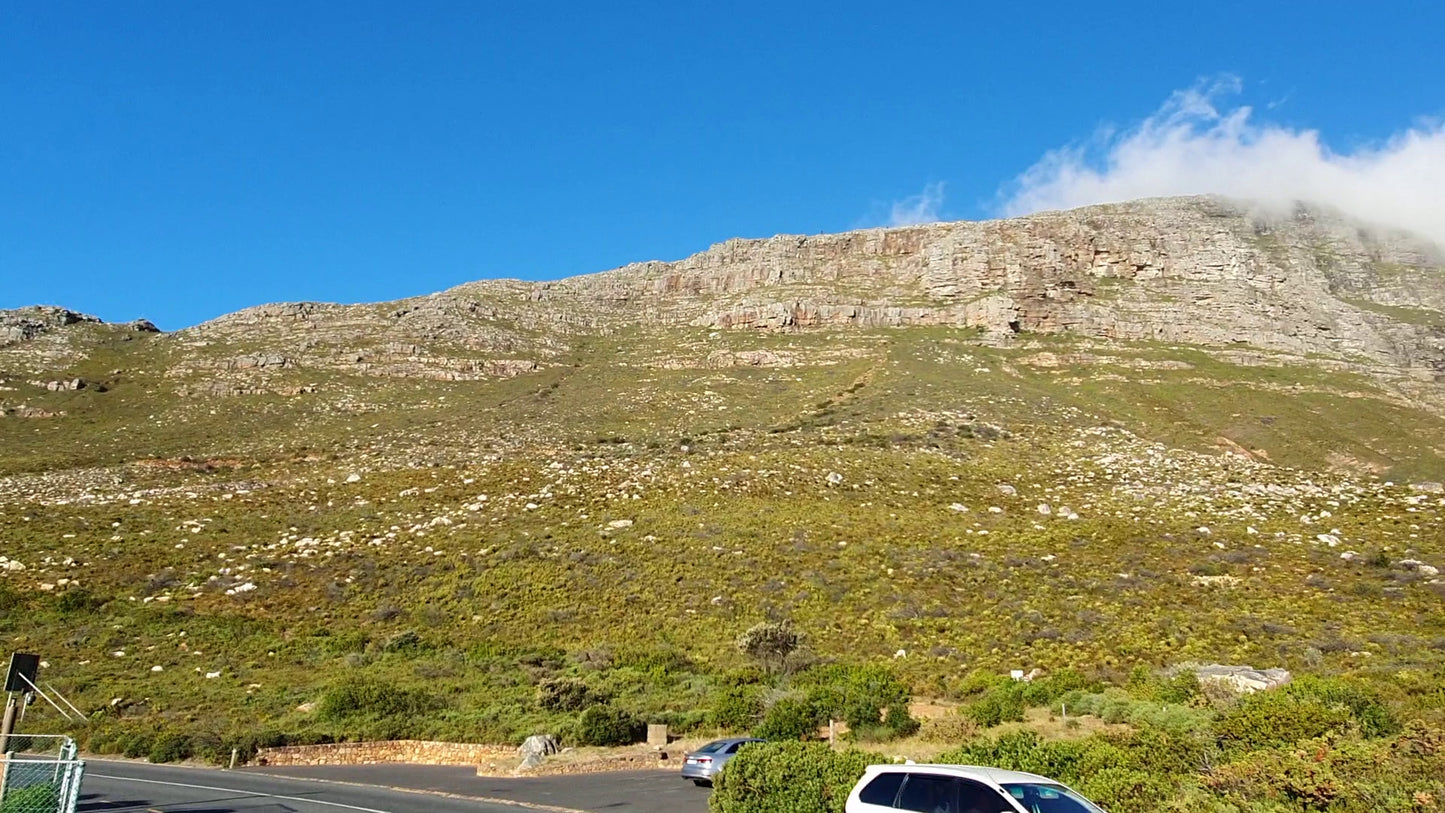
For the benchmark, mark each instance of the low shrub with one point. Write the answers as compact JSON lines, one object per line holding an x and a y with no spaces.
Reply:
{"x":952,"y":728}
{"x":170,"y":746}
{"x":791,"y":718}
{"x":1274,"y":718}
{"x":899,"y":722}
{"x":1022,"y":751}
{"x":31,"y":799}
{"x":1000,"y":704}
{"x":605,"y":725}
{"x":1045,"y":690}
{"x":860,"y":695}
{"x":1371,"y":713}
{"x":660,"y":663}
{"x":789,"y":777}
{"x":78,"y":601}
{"x":136,"y":743}
{"x":10,"y":598}
{"x":1334,"y":772}
{"x":682,"y":722}
{"x":737,"y":707}
{"x":1120,"y":788}
{"x":1117,"y":706}
{"x":406,"y":642}
{"x":566,"y":694}
{"x":355,"y":698}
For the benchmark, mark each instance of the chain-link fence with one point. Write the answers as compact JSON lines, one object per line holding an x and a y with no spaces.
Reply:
{"x":39,"y":774}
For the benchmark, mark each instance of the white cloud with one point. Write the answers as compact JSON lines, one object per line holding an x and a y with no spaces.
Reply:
{"x":1191,"y":146}
{"x":916,"y":209}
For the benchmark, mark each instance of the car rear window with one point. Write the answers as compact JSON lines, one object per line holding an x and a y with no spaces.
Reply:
{"x":715,"y":745}
{"x":882,"y":790}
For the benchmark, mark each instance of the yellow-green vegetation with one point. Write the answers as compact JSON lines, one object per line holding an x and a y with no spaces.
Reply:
{"x":337,"y":556}
{"x":1316,"y":744}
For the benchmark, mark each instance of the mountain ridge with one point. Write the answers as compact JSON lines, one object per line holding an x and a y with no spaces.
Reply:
{"x":1199,"y":271}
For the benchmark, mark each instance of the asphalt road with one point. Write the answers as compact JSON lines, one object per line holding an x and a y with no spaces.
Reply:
{"x":135,"y":787}
{"x":612,"y":792}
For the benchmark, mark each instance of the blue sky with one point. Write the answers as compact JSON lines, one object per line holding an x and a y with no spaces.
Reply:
{"x":180,"y":160}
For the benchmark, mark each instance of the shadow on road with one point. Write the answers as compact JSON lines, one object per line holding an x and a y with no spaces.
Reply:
{"x":258,"y":805}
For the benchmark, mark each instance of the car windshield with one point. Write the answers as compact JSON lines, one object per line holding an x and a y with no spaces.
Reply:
{"x":1041,"y":798}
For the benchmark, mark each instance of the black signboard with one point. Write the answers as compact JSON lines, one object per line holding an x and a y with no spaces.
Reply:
{"x":22,"y":669}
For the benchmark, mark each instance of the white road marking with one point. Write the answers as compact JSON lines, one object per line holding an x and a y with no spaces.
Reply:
{"x":241,"y":792}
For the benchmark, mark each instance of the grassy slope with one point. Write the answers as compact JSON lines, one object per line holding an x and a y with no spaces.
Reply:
{"x":741,"y":524}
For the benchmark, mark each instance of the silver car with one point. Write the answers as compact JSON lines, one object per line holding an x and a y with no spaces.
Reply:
{"x":702,"y":765}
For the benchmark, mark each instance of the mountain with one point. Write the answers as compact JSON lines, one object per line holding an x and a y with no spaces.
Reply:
{"x":1176,"y":429}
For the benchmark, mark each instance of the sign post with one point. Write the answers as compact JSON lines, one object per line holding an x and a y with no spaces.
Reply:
{"x":7,"y":727}
{"x":19,"y":678}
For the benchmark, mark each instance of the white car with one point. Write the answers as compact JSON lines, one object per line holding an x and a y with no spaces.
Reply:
{"x":961,"y":789}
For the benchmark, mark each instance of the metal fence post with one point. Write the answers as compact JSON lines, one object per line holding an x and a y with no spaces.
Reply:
{"x":70,"y":797}
{"x":5,"y":773}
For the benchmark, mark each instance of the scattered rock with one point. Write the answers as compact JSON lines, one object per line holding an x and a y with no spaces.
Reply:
{"x":1417,"y":566}
{"x":535,"y":749}
{"x":1242,"y":679}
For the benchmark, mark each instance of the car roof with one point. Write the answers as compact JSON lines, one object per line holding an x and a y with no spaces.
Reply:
{"x":997,"y":776}
{"x":731,"y":740}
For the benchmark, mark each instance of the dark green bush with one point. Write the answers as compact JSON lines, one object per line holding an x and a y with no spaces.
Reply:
{"x":1001,"y":704}
{"x":789,"y":777}
{"x":605,"y":725}
{"x":1365,"y":706}
{"x":899,"y":722}
{"x":1179,"y":689}
{"x":78,"y":601}
{"x":737,"y":707}
{"x":1045,"y":690}
{"x":356,"y":698}
{"x":135,"y":743}
{"x":1274,"y":718}
{"x":10,"y":598}
{"x":1120,"y":788}
{"x":406,"y":642}
{"x":566,"y":694}
{"x":1022,"y":751}
{"x":660,"y":662}
{"x":170,"y":746}
{"x":791,"y":718}
{"x":1182,"y":689}
{"x":857,"y":694}
{"x":32,"y":799}
{"x":1164,"y":752}
{"x":682,"y":722}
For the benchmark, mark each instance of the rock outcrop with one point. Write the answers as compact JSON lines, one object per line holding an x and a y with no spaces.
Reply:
{"x":1202,"y":271}
{"x":24,"y":324}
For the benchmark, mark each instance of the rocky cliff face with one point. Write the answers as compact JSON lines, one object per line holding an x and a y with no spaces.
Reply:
{"x":1193,"y":270}
{"x":1198,"y":271}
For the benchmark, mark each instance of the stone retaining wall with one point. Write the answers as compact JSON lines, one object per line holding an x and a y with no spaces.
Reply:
{"x":416,"y":752}
{"x":624,"y":762}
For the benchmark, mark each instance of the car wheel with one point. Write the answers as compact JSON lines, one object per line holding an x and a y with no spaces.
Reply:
{"x":702,"y":783}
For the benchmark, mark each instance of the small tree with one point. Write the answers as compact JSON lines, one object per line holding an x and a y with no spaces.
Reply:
{"x":770,"y":643}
